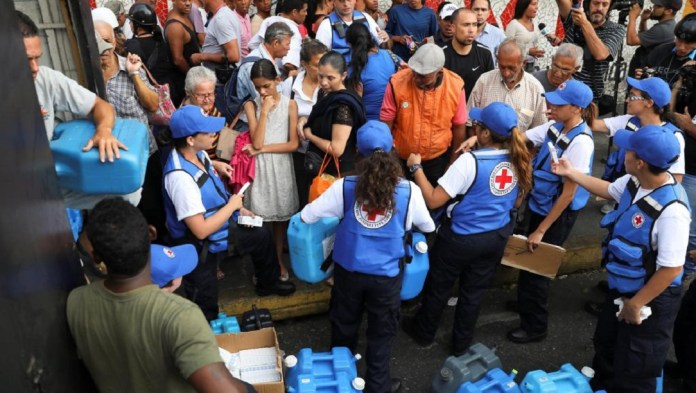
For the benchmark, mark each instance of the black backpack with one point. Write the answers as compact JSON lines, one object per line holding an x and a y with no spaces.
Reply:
{"x":227,"y":102}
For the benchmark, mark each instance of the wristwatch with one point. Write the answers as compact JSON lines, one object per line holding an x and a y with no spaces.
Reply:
{"x":413,"y":168}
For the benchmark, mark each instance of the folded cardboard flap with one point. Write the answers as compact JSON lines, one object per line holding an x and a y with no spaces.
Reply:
{"x":255,"y":339}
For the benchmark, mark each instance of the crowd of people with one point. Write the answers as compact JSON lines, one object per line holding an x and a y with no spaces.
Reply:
{"x":429,"y":117}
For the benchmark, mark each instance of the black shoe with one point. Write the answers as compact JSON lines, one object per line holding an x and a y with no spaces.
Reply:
{"x":594,"y":308}
{"x":603,"y":285}
{"x":520,"y":336}
{"x":395,"y":385}
{"x":407,"y":327}
{"x":280,"y":288}
{"x":512,"y":305}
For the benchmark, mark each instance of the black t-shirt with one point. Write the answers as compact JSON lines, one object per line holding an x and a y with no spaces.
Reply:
{"x":689,"y":141}
{"x":665,"y":62}
{"x":471,"y":66}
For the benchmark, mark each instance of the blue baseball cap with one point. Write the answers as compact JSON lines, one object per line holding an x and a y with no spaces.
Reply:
{"x":190,"y":120}
{"x":655,"y":145}
{"x":168,"y":263}
{"x":498,"y":117}
{"x":572,"y":92}
{"x":656,"y":88}
{"x":374,"y":135}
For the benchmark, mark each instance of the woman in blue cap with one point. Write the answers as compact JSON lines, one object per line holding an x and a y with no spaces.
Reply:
{"x":377,"y":208}
{"x":554,"y":203}
{"x":486,"y":186}
{"x":200,"y":211}
{"x":647,"y":104}
{"x":644,"y":253}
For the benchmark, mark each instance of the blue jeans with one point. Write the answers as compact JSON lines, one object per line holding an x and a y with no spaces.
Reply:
{"x":689,"y":184}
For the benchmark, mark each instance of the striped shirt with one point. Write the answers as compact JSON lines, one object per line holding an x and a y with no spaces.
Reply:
{"x":594,"y":72}
{"x":525,"y":97}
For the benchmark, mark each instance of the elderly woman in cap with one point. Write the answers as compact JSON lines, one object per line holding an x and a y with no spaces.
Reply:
{"x":486,"y":186}
{"x":377,"y":207}
{"x":200,"y":211}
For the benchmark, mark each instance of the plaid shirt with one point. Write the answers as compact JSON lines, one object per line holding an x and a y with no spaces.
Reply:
{"x":120,"y":92}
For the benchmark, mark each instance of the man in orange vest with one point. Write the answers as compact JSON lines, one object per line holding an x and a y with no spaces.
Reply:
{"x":425,"y":107}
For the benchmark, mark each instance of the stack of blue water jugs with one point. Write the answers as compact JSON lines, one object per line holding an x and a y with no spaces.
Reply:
{"x":479,"y":370}
{"x":328,"y":372}
{"x":225,"y":324}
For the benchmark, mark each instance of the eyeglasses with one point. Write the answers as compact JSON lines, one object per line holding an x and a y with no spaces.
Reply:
{"x":204,"y":96}
{"x":635,"y":98}
{"x":563,"y":71}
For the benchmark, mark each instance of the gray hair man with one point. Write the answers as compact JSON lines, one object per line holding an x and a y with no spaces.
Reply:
{"x":565,"y":62}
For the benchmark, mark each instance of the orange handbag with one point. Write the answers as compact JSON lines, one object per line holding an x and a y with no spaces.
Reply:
{"x":323,"y":181}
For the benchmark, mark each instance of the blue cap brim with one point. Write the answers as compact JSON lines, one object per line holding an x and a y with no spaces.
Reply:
{"x":476,"y":114}
{"x":166,"y":266}
{"x":622,"y":139}
{"x":555,"y":98}
{"x":214,"y":124}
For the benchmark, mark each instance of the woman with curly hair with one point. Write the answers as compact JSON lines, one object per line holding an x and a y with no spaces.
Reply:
{"x":377,"y":209}
{"x":486,"y":186}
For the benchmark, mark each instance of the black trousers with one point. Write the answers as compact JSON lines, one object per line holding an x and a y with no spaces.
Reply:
{"x":302,"y":178}
{"x":629,"y":358}
{"x":685,"y":338}
{"x":201,"y":285}
{"x":533,"y":289}
{"x":353,"y":293}
{"x":471,"y":258}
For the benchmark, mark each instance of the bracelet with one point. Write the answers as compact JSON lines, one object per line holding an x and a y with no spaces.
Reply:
{"x":134,"y":73}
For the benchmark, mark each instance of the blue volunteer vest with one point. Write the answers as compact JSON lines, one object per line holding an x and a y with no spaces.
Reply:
{"x":547,"y":186}
{"x":614,"y":168}
{"x":627,"y":251}
{"x":487,"y":203}
{"x":339,"y":29}
{"x":615,"y":159}
{"x":213,"y":193}
{"x":369,"y":241}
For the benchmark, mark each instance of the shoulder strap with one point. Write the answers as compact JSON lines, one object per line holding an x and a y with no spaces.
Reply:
{"x":292,"y":91}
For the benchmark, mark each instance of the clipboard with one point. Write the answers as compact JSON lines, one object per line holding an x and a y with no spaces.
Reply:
{"x":545,"y":261}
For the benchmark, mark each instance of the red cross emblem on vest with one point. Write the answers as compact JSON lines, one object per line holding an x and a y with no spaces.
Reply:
{"x":168,"y":252}
{"x":370,"y":217}
{"x":372,"y":214}
{"x":637,"y":220}
{"x":502,"y":179}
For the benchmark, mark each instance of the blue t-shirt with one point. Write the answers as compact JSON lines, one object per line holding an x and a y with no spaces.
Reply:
{"x":419,"y":24}
{"x":375,"y":76}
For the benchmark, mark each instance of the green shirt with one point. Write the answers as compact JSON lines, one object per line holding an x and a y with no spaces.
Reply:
{"x":145,"y":340}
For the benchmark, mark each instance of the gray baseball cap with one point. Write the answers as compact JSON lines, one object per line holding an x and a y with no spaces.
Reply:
{"x":428,"y":58}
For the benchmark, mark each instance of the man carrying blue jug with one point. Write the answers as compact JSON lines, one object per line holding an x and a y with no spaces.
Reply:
{"x":644,"y":253}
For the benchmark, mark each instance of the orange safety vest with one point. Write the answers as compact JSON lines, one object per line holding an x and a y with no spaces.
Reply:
{"x":423,"y":122}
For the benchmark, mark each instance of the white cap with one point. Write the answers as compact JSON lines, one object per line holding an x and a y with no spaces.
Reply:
{"x":428,"y":58}
{"x":588,"y":372}
{"x":291,"y":361}
{"x":448,"y":10}
{"x":358,"y":383}
{"x":105,"y":15}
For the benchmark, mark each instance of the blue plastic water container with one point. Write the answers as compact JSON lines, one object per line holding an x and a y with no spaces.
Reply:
{"x":83,"y":172}
{"x":75,"y":221}
{"x":225,"y":324}
{"x":495,"y":381}
{"x":469,"y":367}
{"x":566,"y":380}
{"x":416,"y":271}
{"x":326,"y":372}
{"x":310,"y":245}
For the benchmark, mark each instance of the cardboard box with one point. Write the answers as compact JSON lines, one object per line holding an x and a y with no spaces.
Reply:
{"x":545,"y":260}
{"x":263,"y":338}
